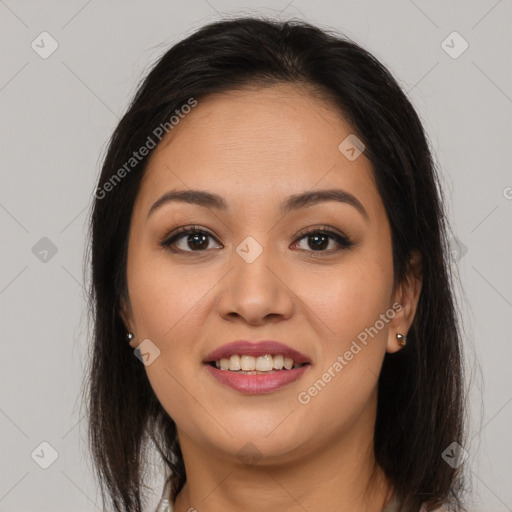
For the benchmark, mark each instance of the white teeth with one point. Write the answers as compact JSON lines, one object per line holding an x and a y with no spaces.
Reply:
{"x":247,"y":363}
{"x":278,"y":362}
{"x":264,"y":363}
{"x":234,"y":363}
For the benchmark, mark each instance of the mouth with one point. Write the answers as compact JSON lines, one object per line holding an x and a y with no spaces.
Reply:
{"x":256,"y":368}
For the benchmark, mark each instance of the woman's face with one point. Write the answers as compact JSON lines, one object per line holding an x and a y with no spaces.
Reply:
{"x":252,"y":273}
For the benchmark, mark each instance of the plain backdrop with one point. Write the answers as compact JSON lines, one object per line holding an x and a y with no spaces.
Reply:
{"x":68,"y":70}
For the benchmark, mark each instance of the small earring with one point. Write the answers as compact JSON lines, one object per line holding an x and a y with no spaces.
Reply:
{"x":129,"y":337}
{"x":401,"y":339}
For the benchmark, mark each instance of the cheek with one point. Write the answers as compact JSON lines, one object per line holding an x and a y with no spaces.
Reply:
{"x":169,"y":304}
{"x":164,"y":297}
{"x":350,"y":299}
{"x":354,"y":309}
{"x":166,"y":310}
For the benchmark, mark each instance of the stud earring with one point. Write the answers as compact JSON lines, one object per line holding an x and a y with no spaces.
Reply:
{"x":401,"y":339}
{"x":129,"y":337}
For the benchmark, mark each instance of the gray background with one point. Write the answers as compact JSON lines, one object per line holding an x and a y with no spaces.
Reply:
{"x":57,"y":114}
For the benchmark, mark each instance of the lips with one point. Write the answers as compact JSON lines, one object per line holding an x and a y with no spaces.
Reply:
{"x":270,"y":378}
{"x":256,"y":349}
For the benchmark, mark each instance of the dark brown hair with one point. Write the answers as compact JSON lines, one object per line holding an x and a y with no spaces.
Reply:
{"x":420,"y":391}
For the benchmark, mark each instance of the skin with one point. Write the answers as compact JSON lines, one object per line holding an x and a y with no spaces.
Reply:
{"x":255,"y":147}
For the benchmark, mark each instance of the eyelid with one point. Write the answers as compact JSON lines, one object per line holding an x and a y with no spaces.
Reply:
{"x":325,"y":228}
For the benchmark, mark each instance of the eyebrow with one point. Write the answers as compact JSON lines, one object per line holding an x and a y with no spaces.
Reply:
{"x":294,"y":202}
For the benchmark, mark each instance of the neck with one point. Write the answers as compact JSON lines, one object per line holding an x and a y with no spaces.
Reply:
{"x":339,"y":474}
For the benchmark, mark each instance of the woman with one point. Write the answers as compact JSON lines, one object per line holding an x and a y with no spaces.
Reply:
{"x":268,"y":239}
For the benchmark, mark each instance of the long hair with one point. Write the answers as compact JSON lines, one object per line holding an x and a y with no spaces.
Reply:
{"x":420,"y":390}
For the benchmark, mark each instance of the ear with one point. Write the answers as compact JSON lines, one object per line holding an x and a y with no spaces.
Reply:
{"x":406,"y":295}
{"x":126,"y":315}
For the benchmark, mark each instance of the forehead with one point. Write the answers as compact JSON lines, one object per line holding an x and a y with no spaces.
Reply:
{"x":258,"y":143}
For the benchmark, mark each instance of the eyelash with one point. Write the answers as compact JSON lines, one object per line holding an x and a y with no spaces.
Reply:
{"x":342,"y":240}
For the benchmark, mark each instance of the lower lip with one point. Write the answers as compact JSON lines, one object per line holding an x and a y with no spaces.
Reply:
{"x":257,"y":383}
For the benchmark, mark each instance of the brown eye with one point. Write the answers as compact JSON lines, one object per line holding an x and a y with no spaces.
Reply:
{"x":318,"y":240}
{"x":191,"y":239}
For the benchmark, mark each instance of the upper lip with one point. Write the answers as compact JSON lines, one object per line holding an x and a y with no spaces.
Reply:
{"x":255,"y":349}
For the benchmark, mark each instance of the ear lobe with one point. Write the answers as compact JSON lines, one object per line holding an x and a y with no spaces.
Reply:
{"x":407,"y":295}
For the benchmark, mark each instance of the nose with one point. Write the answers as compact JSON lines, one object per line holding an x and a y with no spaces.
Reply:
{"x":256,"y":290}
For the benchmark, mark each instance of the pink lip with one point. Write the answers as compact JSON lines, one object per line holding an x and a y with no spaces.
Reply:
{"x":258,"y":383}
{"x":256,"y":349}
